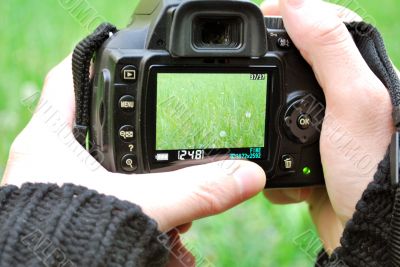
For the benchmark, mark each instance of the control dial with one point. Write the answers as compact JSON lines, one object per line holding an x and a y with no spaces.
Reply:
{"x":303,"y":119}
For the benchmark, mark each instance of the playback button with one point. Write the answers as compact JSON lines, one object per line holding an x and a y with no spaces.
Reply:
{"x":128,"y":163}
{"x":129,"y":73}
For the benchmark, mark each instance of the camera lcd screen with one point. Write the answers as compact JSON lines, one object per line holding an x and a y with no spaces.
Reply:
{"x":200,"y":114}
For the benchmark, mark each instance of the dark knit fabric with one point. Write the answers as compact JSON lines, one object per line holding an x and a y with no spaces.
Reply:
{"x":45,"y":225}
{"x":322,"y":259}
{"x":366,"y":238}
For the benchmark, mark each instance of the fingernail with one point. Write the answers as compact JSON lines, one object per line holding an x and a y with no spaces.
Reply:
{"x":251,"y":179}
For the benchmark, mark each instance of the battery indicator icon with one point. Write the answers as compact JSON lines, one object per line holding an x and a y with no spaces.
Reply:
{"x":162,"y":157}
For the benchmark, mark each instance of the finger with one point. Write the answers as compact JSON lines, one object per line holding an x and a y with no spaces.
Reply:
{"x":270,"y":8}
{"x":278,"y":197}
{"x":328,"y":224}
{"x":58,"y":98}
{"x":344,"y":13}
{"x":179,"y":255}
{"x":201,"y":191}
{"x":184,"y":228}
{"x":326,"y":44}
{"x":287,"y":196}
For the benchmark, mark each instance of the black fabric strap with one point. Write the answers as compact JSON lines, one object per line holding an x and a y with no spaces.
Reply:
{"x":81,"y":59}
{"x":371,"y":45}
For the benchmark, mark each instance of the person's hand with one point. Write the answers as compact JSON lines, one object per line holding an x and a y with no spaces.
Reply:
{"x":46,"y":152}
{"x":357,"y":126}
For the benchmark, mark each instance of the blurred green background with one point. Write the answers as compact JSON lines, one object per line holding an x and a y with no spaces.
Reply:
{"x":36,"y":35}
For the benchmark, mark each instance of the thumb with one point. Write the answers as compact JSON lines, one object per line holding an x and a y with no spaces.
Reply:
{"x":270,"y":7}
{"x":196,"y":192}
{"x":326,"y":44}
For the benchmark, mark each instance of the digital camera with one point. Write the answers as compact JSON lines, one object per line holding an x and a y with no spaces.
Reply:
{"x":189,"y":82}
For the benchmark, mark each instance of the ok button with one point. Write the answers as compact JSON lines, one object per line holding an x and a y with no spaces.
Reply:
{"x":304,"y":121}
{"x":127,"y":133}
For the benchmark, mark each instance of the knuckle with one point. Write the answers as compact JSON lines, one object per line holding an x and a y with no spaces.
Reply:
{"x":348,"y":15}
{"x":330,"y":34}
{"x":327,"y":37}
{"x":345,"y":13}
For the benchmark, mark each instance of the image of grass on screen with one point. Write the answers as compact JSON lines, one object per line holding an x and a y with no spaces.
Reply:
{"x":210,"y":110}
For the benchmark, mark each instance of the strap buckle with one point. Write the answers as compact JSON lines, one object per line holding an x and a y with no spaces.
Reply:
{"x":394,"y":148}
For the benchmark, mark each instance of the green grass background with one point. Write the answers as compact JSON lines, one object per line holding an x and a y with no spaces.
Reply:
{"x":210,"y":110}
{"x":36,"y":35}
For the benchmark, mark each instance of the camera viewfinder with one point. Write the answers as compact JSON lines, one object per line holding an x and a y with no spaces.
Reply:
{"x":211,"y":33}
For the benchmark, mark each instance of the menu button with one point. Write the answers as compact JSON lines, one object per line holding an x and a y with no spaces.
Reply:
{"x":127,"y":104}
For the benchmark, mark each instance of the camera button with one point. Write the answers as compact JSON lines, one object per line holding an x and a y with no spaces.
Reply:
{"x":127,"y":133}
{"x":127,"y":104}
{"x":128,"y":163}
{"x":129,"y":73}
{"x":304,"y":121}
{"x":287,"y":162}
{"x":283,"y":42}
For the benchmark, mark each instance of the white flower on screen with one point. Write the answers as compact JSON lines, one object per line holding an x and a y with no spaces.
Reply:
{"x":248,"y":114}
{"x":222,"y":134}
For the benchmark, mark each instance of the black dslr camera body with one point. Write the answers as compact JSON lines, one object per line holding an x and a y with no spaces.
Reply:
{"x":192,"y":81}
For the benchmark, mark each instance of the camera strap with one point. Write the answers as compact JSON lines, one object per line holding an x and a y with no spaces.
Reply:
{"x":81,"y":60}
{"x":372,"y":48}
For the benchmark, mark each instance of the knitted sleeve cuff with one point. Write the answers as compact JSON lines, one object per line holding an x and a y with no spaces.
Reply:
{"x":43,"y":224}
{"x":365,"y":240}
